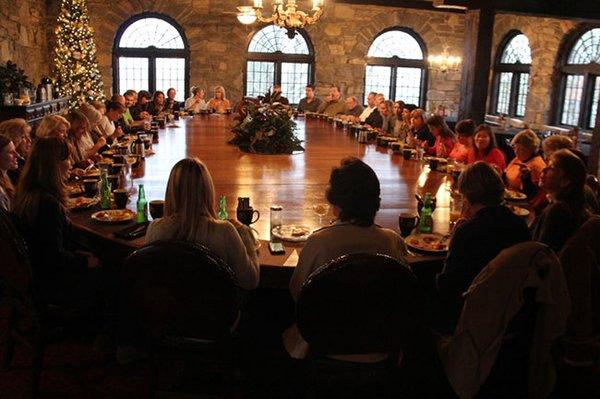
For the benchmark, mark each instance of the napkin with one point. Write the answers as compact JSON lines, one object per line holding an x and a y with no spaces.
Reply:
{"x":292,"y":260}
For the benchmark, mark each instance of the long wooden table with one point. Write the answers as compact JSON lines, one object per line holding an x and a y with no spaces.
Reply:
{"x":296,"y":182}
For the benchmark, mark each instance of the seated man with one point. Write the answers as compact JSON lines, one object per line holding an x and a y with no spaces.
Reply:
{"x":310,"y":103}
{"x":172,"y":105}
{"x":333,"y":104}
{"x":127,"y":121}
{"x":140,"y":109}
{"x":375,"y":119}
{"x":371,"y":106}
{"x":275,"y":96}
{"x":354,"y":108}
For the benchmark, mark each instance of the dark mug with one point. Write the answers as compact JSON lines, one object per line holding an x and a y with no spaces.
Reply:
{"x":113,"y":181}
{"x":162,"y":123}
{"x":118,"y":159}
{"x":406,"y":154}
{"x":90,"y":187}
{"x":115,"y":168}
{"x":121,"y":196}
{"x":433,"y":163}
{"x":244,"y":203}
{"x":245,"y":216}
{"x":157,"y":208}
{"x":407,"y":223}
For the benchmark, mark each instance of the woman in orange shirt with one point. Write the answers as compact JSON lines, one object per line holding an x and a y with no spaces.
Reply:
{"x":523,"y":172}
{"x":465,"y":130}
{"x":219,"y":103}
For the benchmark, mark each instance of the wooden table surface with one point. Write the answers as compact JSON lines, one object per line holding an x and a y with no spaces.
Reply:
{"x":295,"y":182}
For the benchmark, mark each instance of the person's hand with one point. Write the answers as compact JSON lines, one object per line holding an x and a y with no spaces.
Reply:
{"x":144,"y":115}
{"x":77,"y":172}
{"x":101,"y":142}
{"x":525,"y":171}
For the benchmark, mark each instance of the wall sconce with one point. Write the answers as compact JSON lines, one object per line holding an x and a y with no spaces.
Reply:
{"x":444,"y":62}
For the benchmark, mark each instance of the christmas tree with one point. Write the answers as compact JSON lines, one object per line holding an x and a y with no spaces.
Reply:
{"x":75,"y":63}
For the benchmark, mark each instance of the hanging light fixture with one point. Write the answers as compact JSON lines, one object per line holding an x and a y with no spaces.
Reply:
{"x":286,"y":16}
{"x":444,"y":62}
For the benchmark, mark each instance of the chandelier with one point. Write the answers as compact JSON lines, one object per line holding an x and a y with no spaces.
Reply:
{"x":286,"y":16}
{"x":444,"y":62}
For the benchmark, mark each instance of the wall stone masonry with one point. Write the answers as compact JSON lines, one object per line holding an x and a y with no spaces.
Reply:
{"x":23,"y":36}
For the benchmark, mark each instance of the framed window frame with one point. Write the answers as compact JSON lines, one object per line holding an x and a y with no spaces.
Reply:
{"x":396,"y":62}
{"x":517,"y":69}
{"x":590,"y":73}
{"x":279,"y":58}
{"x":151,"y":53}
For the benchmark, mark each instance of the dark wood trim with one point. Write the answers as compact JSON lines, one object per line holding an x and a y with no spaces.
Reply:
{"x":413,"y":4}
{"x":396,"y":62}
{"x":594,"y":157}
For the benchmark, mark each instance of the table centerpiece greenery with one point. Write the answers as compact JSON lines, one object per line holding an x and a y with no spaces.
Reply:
{"x":266,"y":129}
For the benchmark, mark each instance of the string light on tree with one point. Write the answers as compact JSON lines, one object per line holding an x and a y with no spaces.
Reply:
{"x":75,"y":64}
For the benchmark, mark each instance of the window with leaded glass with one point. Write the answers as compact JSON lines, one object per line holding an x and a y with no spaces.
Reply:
{"x":274,"y":58}
{"x":396,"y":66}
{"x":579,"y":90}
{"x":511,"y":81}
{"x":151,"y":53}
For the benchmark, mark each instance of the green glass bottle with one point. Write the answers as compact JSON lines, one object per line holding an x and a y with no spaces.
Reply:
{"x":426,"y":221}
{"x":142,"y":206}
{"x":222,"y":214}
{"x":104,"y":192}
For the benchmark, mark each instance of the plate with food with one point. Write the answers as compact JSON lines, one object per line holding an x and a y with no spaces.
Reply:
{"x":114,"y":216}
{"x":292,"y":232}
{"x":74,"y":190}
{"x":82,"y":202}
{"x":513,"y":195}
{"x":92,"y":172}
{"x":517,"y":210}
{"x":433,"y":243}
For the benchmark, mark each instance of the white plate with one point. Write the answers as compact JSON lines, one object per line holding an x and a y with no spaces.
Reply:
{"x":517,"y":210}
{"x":425,"y":242}
{"x":114,"y":216}
{"x":82,"y":202}
{"x":514,"y":195}
{"x":292,"y":233}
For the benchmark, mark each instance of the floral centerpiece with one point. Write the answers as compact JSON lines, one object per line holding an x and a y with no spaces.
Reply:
{"x":266,"y":129}
{"x":12,"y":79}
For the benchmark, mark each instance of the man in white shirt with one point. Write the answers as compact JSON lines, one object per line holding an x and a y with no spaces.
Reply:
{"x":371,"y":106}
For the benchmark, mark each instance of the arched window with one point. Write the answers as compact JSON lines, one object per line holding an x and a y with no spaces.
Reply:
{"x":580,"y":84}
{"x":511,"y":81}
{"x":150,"y":52}
{"x":274,"y":58}
{"x":396,"y":66}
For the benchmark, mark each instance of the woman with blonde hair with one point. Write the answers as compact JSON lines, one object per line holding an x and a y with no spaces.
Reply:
{"x":523,"y":172}
{"x":53,"y":126}
{"x":190,"y":216}
{"x":83,"y":149}
{"x":18,"y":131}
{"x":219,"y":102}
{"x":8,"y":161}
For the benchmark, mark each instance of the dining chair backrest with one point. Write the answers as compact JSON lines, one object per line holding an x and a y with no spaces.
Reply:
{"x":359,"y":303}
{"x":178,"y":289}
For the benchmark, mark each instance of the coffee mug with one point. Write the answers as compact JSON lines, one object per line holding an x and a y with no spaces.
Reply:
{"x":113,"y":181}
{"x":433,"y":163}
{"x":245,"y":216}
{"x":121,"y":196}
{"x":90,"y":187}
{"x":157,"y":208}
{"x":115,"y":168}
{"x":407,"y":223}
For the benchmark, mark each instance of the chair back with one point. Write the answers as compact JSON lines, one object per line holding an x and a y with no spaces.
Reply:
{"x":15,"y":269}
{"x":178,"y":289}
{"x":359,"y":303}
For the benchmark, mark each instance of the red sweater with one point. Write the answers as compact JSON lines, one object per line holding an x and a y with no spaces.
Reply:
{"x":495,"y":158}
{"x":436,"y":150}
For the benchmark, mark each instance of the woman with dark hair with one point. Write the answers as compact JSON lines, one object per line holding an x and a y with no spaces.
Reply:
{"x":140,"y":110}
{"x":171,"y":104}
{"x":464,"y":130}
{"x":563,"y":180}
{"x":444,"y":138}
{"x":485,"y":149}
{"x":488,"y":228}
{"x":62,"y":276}
{"x":8,"y":161}
{"x":354,"y":194}
{"x":402,"y":126}
{"x":157,"y":106}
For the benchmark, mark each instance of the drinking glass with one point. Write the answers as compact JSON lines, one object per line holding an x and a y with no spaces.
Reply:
{"x":456,"y":205}
{"x":321,"y":208}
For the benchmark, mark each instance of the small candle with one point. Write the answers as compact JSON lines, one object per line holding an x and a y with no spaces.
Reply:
{"x":258,"y":4}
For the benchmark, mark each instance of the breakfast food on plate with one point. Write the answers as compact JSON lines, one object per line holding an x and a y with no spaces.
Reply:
{"x":298,"y":231}
{"x":114,"y":215}
{"x":517,"y":210}
{"x":514,"y":195}
{"x":428,"y":242}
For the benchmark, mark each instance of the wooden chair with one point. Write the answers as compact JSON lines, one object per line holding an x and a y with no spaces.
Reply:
{"x":186,"y":301}
{"x":356,"y":304}
{"x":28,"y":321}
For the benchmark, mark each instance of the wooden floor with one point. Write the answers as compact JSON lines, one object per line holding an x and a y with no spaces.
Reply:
{"x":297,"y":181}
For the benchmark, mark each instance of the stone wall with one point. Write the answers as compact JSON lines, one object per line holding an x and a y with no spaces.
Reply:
{"x":341,"y":40}
{"x":23,"y":36}
{"x":545,"y":39}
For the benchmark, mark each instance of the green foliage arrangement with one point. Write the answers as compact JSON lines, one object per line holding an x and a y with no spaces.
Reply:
{"x":13,"y":78}
{"x":266,"y":129}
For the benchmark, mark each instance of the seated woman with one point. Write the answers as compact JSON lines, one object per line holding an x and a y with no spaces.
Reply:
{"x":83,"y":149}
{"x":157,"y":106}
{"x":489,"y":228}
{"x":354,"y":193}
{"x":219,"y":102}
{"x":140,"y":110}
{"x":107,"y":128}
{"x":523,"y":172}
{"x":53,"y":126}
{"x":419,"y":132}
{"x":8,"y":161}
{"x":402,"y":125}
{"x":444,"y":138}
{"x":196,"y":102}
{"x":563,"y":180}
{"x":18,"y":131}
{"x":62,"y":276}
{"x":190,"y":216}
{"x":171,"y":104}
{"x":485,"y":149}
{"x":465,"y":130}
